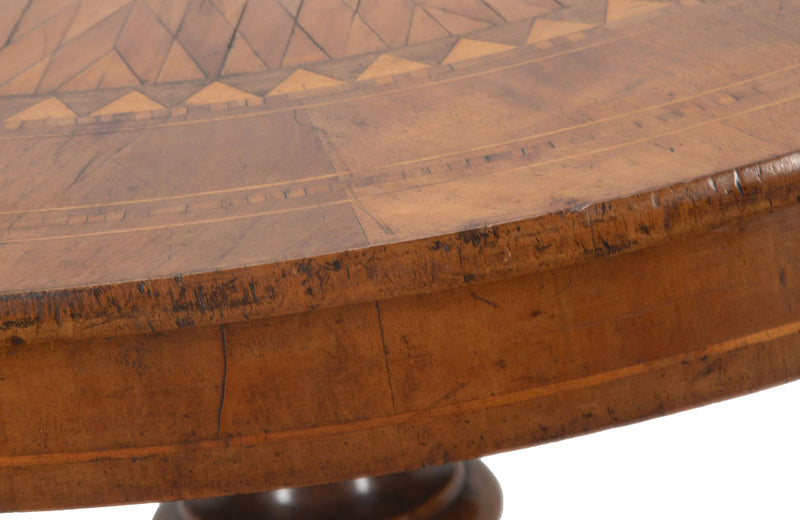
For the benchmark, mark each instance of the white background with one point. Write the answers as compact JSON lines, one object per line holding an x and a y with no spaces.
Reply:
{"x":739,"y":459}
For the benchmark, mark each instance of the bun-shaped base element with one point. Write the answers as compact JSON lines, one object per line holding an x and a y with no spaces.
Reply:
{"x":462,"y":491}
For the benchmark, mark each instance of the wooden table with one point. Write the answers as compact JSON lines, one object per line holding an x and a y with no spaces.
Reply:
{"x":250,"y":245}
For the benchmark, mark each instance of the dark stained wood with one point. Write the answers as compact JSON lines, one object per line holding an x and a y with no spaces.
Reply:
{"x":462,"y":491}
{"x":259,"y":250}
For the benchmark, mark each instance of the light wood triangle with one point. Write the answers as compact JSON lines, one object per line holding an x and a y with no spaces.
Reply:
{"x":548,"y":29}
{"x":387,"y":65}
{"x":466,"y":49}
{"x":131,"y":102}
{"x":109,"y":72}
{"x":50,"y":108}
{"x":179,"y":66}
{"x":241,"y":58}
{"x":218,"y":92}
{"x":301,"y":80}
{"x":26,"y":82}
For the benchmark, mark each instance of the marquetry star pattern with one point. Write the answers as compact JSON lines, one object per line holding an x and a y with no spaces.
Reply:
{"x":52,"y":49}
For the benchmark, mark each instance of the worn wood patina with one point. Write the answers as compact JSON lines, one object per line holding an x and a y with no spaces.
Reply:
{"x":248,"y":245}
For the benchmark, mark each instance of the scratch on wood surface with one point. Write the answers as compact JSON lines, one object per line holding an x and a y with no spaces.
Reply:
{"x":484,"y":300}
{"x":385,"y":356}
{"x":224,"y":380}
{"x":82,"y":171}
{"x":358,"y":221}
{"x":591,"y":231}
{"x":57,"y":153}
{"x":446,"y":397}
{"x":356,"y":202}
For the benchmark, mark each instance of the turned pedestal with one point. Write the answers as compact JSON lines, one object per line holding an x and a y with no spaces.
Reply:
{"x":462,"y":491}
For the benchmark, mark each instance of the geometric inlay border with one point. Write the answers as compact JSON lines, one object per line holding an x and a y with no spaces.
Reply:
{"x":248,"y":89}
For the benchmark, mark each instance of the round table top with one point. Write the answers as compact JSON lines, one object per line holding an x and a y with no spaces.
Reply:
{"x":144,"y":140}
{"x":177,"y":170}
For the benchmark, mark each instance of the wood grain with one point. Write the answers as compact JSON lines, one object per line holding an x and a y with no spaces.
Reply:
{"x":135,"y":174}
{"x":447,"y":229}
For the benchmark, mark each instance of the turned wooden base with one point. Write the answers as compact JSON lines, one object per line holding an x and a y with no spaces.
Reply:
{"x":463,"y":491}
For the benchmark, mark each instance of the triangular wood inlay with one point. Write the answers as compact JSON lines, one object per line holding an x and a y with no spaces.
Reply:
{"x":241,"y":58}
{"x":218,"y":92}
{"x":424,"y":28}
{"x":456,"y":24}
{"x":387,"y":65}
{"x":467,"y":49}
{"x":144,"y":43}
{"x":362,"y":39}
{"x":301,"y":80}
{"x":327,"y":23}
{"x":547,"y":29}
{"x":83,"y":51}
{"x":131,"y":102}
{"x":26,"y":82}
{"x":19,"y":55}
{"x":390,"y":19}
{"x":109,"y":72}
{"x":38,"y":13}
{"x":302,"y":50}
{"x":267,"y":27}
{"x":513,"y":10}
{"x":50,"y":108}
{"x":90,"y":13}
{"x":179,"y":66}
